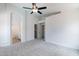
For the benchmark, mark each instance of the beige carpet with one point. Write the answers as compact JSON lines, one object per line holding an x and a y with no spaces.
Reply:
{"x":36,"y":48}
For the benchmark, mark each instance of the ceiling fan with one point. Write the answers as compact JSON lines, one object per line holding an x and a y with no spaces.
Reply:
{"x":35,"y":8}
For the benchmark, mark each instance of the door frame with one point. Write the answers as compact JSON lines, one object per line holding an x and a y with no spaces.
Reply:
{"x":38,"y":25}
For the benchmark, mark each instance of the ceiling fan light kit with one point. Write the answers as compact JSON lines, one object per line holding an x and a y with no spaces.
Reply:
{"x":35,"y":9}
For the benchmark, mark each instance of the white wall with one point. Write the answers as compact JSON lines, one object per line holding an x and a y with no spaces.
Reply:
{"x":4,"y":26}
{"x":63,"y":29}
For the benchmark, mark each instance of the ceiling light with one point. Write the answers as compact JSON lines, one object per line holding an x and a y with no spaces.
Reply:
{"x":34,"y":10}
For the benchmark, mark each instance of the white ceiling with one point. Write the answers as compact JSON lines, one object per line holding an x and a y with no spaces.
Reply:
{"x":51,"y":7}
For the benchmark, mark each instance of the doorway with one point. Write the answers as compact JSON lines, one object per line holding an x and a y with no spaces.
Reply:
{"x":15,"y":28}
{"x":43,"y":32}
{"x":39,"y":31}
{"x":35,"y":31}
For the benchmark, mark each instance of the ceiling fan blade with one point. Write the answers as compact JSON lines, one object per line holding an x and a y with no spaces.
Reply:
{"x":27,"y":8}
{"x":52,"y":13}
{"x":40,"y":8}
{"x":39,"y":12}
{"x":31,"y":12}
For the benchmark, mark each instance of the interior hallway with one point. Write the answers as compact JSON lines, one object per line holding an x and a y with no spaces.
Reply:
{"x":37,"y":48}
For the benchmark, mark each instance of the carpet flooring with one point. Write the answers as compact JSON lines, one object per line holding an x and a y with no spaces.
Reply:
{"x":37,"y":48}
